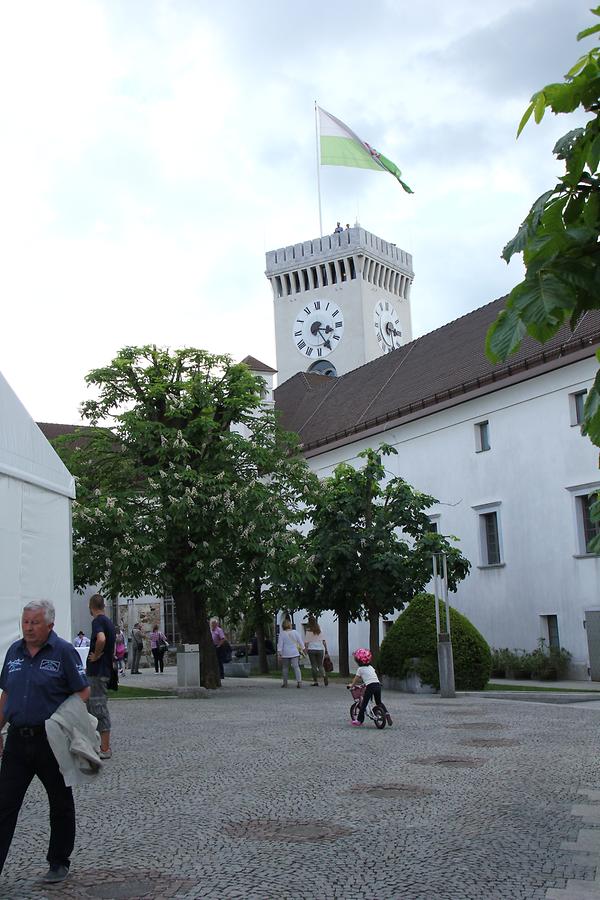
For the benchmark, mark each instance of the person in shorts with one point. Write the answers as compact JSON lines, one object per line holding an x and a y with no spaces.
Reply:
{"x":99,"y":669}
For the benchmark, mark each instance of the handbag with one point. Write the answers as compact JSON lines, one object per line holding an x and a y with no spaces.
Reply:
{"x":327,"y":664}
{"x":163,"y":645}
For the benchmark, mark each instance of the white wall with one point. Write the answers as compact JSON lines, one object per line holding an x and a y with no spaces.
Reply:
{"x":535,"y":457}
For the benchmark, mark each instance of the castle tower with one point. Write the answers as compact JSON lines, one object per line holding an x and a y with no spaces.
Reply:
{"x":340,"y":301}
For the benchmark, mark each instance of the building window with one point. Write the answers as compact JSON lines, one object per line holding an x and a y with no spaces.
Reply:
{"x":490,"y":538}
{"x":434,"y":524}
{"x":552,"y":629}
{"x":588,"y":529}
{"x":576,"y":406}
{"x":482,"y":436}
{"x":490,"y":534}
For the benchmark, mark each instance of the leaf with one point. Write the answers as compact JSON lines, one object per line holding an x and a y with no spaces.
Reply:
{"x":593,"y":156}
{"x":517,"y":244}
{"x":525,"y":118}
{"x":539,"y":107}
{"x":504,"y":336}
{"x":587,"y":31}
{"x":591,"y":212}
{"x":565,"y":144}
{"x":542,"y":303}
{"x":579,"y":65}
{"x":591,"y":411}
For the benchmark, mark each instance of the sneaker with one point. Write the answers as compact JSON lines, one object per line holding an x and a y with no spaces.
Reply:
{"x":55,"y":874}
{"x":388,"y":719}
{"x":105,"y":754}
{"x":284,"y":685}
{"x":298,"y":684}
{"x":356,"y":722}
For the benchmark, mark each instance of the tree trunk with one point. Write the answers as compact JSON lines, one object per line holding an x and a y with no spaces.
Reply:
{"x":343,"y":643}
{"x":259,"y":622}
{"x":373,"y":630}
{"x":192,"y":616}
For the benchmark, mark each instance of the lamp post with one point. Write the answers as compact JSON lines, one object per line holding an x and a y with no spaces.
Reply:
{"x":444,"y":638}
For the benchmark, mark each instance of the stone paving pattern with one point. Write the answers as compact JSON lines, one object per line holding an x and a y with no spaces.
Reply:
{"x":262,"y":793}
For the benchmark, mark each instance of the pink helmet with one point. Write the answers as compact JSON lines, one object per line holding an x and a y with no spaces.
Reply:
{"x":362,"y":656}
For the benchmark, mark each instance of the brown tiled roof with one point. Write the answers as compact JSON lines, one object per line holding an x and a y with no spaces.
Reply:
{"x":52,"y":430}
{"x":444,"y":367}
{"x":256,"y":365}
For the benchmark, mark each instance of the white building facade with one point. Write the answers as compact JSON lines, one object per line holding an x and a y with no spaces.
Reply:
{"x":516,"y":504}
{"x":500,"y":447}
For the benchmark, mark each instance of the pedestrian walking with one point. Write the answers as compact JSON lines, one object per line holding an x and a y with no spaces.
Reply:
{"x":53,"y":667}
{"x":289,"y":650}
{"x":99,"y":668}
{"x":158,"y":646}
{"x":316,"y":647}
{"x":120,"y":651}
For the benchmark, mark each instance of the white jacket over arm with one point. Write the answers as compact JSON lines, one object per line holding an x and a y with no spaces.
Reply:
{"x":73,"y":738}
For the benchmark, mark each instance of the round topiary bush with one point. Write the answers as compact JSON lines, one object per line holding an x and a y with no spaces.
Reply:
{"x":413,"y":635}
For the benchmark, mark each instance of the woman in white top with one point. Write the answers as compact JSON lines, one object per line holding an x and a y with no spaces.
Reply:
{"x":289,"y":648}
{"x":316,"y":647}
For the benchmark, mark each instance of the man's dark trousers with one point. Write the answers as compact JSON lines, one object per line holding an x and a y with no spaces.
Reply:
{"x":23,"y":758}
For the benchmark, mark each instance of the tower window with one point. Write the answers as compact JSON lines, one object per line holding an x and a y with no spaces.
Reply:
{"x":278,"y":286}
{"x":352,"y":269}
{"x":323,"y":268}
{"x":333,"y":273}
{"x":315,"y":279}
{"x":305,"y":279}
{"x":288,"y":285}
{"x":343,"y":275}
{"x":323,"y":367}
{"x":297,"y":282}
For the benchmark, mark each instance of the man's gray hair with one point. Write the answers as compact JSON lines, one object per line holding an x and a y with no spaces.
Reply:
{"x":43,"y":606}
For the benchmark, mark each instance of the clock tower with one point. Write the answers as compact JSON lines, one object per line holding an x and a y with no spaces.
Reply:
{"x":340,"y":301}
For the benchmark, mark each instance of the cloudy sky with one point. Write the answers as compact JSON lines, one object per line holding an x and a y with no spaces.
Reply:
{"x":153,"y":150}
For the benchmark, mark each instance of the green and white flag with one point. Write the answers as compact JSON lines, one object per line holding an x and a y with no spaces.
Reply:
{"x":339,"y":146}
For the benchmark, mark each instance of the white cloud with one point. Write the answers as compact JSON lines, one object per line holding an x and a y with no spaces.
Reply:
{"x":153,"y":151}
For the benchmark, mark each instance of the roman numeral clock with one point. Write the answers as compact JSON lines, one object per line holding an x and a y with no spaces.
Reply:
{"x":340,"y":301}
{"x":318,"y":328}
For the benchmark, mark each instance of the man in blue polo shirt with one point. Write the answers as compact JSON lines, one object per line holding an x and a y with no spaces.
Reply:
{"x":40,"y":671}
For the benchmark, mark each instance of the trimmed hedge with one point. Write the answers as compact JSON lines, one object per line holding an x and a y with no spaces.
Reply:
{"x":413,"y":635}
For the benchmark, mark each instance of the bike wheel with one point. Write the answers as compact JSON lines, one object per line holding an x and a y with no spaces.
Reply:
{"x":354,"y":710}
{"x":378,"y":717}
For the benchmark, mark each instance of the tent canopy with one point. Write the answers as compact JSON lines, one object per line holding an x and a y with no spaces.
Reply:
{"x":36,"y":490}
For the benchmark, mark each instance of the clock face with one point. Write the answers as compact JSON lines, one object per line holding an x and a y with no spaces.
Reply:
{"x":318,"y":328}
{"x":387,"y":326}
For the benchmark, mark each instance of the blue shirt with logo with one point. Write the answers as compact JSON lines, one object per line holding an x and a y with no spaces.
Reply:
{"x":37,"y":685}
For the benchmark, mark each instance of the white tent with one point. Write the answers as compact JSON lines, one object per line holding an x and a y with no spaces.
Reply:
{"x":36,"y":491}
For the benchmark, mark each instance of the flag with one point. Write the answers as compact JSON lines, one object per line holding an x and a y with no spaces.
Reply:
{"x":339,"y":146}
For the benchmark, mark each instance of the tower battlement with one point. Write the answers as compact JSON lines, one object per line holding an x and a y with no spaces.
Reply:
{"x":355,"y":241}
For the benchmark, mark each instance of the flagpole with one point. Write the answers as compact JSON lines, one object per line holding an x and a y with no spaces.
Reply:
{"x":318,"y":168}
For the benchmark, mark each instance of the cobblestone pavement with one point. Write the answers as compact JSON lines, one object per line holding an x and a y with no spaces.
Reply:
{"x":263,"y":793}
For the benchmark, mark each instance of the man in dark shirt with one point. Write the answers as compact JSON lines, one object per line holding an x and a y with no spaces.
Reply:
{"x":40,"y":671}
{"x":98,"y":670}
